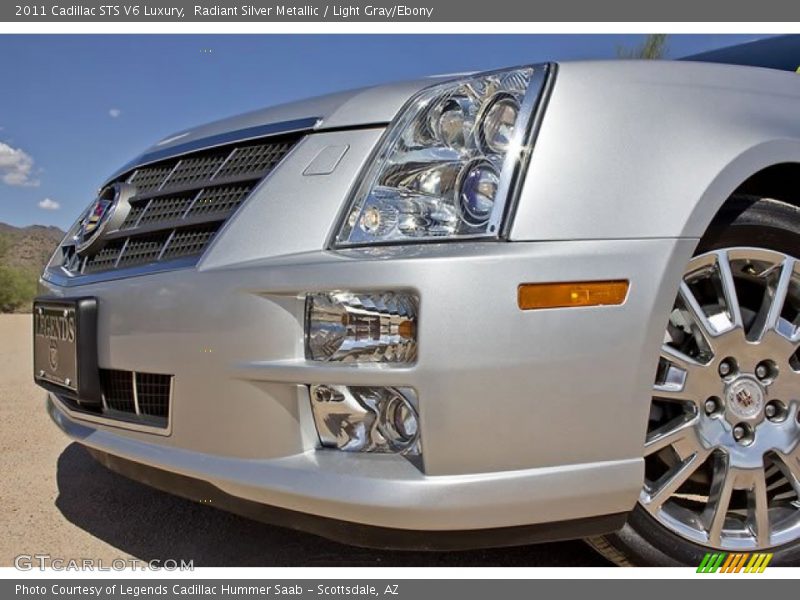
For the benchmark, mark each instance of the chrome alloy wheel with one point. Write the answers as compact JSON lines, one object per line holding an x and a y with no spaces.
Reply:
{"x":722,"y":452}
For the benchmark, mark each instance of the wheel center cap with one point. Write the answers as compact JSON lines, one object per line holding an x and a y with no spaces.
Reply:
{"x":744,"y":398}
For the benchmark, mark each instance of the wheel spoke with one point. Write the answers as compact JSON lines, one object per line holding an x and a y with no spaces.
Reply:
{"x":696,"y":312}
{"x":727,"y":321}
{"x":671,"y":481}
{"x":679,"y":359}
{"x":759,"y":509}
{"x":790,"y":467}
{"x":718,"y":499}
{"x":669,"y":434}
{"x":673,"y":392}
{"x":684,"y":379}
{"x":769,"y":316}
{"x":729,"y":289}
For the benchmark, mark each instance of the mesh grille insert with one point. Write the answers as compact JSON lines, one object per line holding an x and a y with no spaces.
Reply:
{"x":189,"y":242}
{"x":153,"y":394}
{"x":192,"y":170}
{"x":253,"y":159}
{"x":118,"y":390}
{"x":142,"y":250}
{"x":149,"y":178}
{"x":133,"y":216}
{"x":167,"y":208}
{"x":123,"y":391}
{"x":105,"y":259}
{"x":219,"y":200}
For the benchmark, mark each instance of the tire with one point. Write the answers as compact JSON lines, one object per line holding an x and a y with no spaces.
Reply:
{"x":745,"y":221}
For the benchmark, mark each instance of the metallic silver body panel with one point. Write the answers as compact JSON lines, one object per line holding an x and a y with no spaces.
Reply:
{"x":291,"y":212}
{"x":632,"y":161}
{"x":497,"y":386}
{"x":368,"y":489}
{"x":647,"y":149}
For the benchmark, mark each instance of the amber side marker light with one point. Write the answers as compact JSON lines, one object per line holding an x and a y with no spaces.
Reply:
{"x":534,"y":296}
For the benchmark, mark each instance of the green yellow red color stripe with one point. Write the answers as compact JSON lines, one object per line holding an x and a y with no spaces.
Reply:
{"x":725,"y":562}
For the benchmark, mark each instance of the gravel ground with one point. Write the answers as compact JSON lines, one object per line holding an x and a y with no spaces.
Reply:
{"x":55,"y":499}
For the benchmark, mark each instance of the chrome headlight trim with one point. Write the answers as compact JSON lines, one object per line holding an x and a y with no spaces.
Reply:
{"x":512,"y":167}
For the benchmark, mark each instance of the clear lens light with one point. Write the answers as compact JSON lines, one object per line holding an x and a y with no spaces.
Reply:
{"x":361,"y":327}
{"x":441,"y":167}
{"x":366,"y":419}
{"x":477,"y":192}
{"x":497,"y":127}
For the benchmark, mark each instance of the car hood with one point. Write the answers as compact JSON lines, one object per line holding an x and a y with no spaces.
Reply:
{"x":353,"y":108}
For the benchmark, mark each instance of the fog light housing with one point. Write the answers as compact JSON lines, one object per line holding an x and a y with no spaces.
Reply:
{"x":361,"y":327}
{"x":366,"y":419}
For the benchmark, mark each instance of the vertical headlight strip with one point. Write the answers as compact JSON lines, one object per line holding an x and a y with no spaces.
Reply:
{"x":448,"y":165}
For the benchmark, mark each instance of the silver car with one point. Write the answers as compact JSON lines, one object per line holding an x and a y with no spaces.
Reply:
{"x":544,"y":302}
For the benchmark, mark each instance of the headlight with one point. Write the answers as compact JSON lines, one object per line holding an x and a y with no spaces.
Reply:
{"x":448,"y":163}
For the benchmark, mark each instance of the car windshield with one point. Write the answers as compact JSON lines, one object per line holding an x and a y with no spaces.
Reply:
{"x":780,"y":52}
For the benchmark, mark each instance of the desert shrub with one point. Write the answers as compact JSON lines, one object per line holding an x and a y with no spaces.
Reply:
{"x":17,"y":284}
{"x":17,"y":288}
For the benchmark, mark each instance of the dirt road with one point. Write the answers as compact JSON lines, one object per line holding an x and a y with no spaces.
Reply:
{"x":55,"y":499}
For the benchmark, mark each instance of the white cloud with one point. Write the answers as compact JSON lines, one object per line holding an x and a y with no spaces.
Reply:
{"x":16,"y":166}
{"x":49,"y":204}
{"x":114,"y":112}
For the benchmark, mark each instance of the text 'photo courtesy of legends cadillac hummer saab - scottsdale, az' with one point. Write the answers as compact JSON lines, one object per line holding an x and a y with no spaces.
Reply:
{"x":545,"y":302}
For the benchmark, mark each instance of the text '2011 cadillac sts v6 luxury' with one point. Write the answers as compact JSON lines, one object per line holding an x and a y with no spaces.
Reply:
{"x":539,"y":303}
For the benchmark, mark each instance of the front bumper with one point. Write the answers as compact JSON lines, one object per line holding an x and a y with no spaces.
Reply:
{"x":525,"y":417}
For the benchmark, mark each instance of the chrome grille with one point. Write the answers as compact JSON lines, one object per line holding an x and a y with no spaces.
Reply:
{"x":180,"y":204}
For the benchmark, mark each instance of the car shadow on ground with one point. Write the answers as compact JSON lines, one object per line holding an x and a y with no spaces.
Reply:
{"x":149,"y":524}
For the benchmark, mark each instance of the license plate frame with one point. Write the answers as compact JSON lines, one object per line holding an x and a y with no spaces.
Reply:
{"x":65,"y":347}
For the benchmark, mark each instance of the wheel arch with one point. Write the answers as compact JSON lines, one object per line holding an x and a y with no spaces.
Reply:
{"x":764,"y":170}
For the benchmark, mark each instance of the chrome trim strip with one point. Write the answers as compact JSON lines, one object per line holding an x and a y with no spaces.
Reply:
{"x":142,"y":214}
{"x":230,"y":137}
{"x":544,"y":81}
{"x":135,"y":394}
{"x":166,"y":179}
{"x":118,"y":423}
{"x":506,"y":189}
{"x":61,"y":278}
{"x":166,"y":244}
{"x":194,"y":200}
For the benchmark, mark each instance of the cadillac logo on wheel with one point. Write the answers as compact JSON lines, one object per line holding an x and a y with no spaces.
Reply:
{"x":106,"y":214}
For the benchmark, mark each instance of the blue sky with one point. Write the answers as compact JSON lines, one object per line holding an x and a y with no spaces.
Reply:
{"x":75,"y":108}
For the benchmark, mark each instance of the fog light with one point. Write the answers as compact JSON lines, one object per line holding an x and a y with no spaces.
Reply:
{"x":356,"y":327}
{"x":366,"y":419}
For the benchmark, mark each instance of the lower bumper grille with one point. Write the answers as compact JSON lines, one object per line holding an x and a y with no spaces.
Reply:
{"x":133,"y":397}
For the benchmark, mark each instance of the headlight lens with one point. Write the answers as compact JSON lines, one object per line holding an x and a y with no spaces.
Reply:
{"x":445,"y":168}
